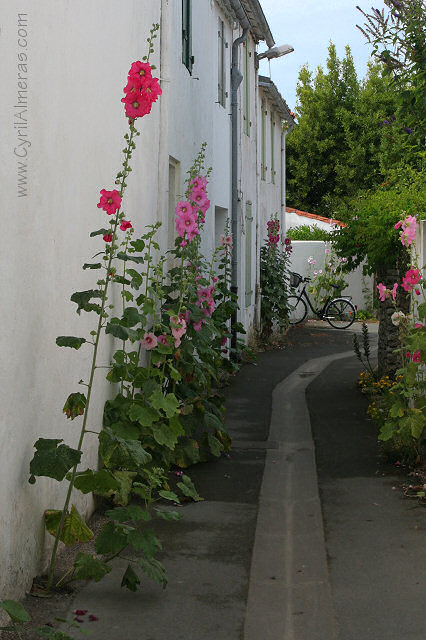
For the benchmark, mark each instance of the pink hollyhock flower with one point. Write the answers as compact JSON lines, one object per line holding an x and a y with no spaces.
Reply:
{"x":108,"y":237}
{"x":110,"y":201}
{"x":416,"y":357}
{"x":223,"y":341}
{"x":186,"y":222}
{"x":150,"y":91}
{"x":215,"y":279}
{"x":149,"y":341}
{"x":326,"y":250}
{"x":185,"y":316}
{"x":383,"y":292}
{"x":418,"y":325}
{"x":408,"y":233}
{"x":287,"y":241}
{"x":411,"y":278}
{"x":226,"y":241}
{"x":398,"y":224}
{"x":408,"y":355}
{"x":178,"y":342}
{"x":178,"y":326}
{"x":163,"y":339}
{"x":197,"y":325}
{"x":198,"y":182}
{"x":125,"y":224}
{"x":394,"y":288}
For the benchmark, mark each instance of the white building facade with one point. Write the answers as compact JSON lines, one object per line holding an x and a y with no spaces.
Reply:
{"x":63,"y":126}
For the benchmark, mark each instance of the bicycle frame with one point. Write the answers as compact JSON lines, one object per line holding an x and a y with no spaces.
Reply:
{"x":318,"y":312}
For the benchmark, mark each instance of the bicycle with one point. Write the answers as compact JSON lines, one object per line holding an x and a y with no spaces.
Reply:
{"x":339,"y":312}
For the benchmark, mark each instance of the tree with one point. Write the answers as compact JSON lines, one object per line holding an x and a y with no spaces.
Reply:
{"x":339,"y":144}
{"x":398,"y":37}
{"x":370,"y":237}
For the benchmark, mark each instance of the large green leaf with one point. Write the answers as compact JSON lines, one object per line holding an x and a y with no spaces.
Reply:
{"x":168,"y":403}
{"x":130,"y":579}
{"x":121,"y":332}
{"x":15,"y":611}
{"x":387,"y":431}
{"x":111,"y":539}
{"x":82,"y":298}
{"x":215,"y":446}
{"x":212,"y":421}
{"x":145,"y":541}
{"x":154,"y":570}
{"x":122,"y":494}
{"x":125,"y":256}
{"x":169,"y":495}
{"x":186,"y":454}
{"x":99,"y":482}
{"x":74,"y":529}
{"x":117,"y":452}
{"x":100,"y":232}
{"x":88,"y":567}
{"x":51,"y":460}
{"x":131,"y":513}
{"x":92,"y":265}
{"x":164,"y":436}
{"x":70,"y":341}
{"x":188,"y":489}
{"x":131,"y":316}
{"x":75,"y":405}
{"x":146,"y":416}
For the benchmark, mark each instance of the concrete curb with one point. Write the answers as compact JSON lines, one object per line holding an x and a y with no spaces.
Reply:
{"x":289,"y":594}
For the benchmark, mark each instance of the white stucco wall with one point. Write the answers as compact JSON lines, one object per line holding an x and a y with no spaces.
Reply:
{"x":302,"y":249}
{"x":77,"y":54}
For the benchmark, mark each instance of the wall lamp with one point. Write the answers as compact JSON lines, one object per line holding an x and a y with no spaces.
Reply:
{"x":276,"y":52}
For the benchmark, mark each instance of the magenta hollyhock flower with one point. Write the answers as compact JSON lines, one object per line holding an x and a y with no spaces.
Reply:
{"x":418,"y":325}
{"x":108,"y":237}
{"x":110,"y":201}
{"x":287,"y":241}
{"x":223,"y":341}
{"x":125,"y":224}
{"x":149,"y":341}
{"x":417,"y":292}
{"x":197,"y":325}
{"x":140,"y":72}
{"x":383,"y":292}
{"x":226,"y":241}
{"x":150,"y":91}
{"x":411,"y":278}
{"x":163,"y":339}
{"x":398,"y":224}
{"x":178,"y":326}
{"x":408,"y":355}
{"x":135,"y":105}
{"x":416,"y":357}
{"x":93,"y":618}
{"x":186,"y":222}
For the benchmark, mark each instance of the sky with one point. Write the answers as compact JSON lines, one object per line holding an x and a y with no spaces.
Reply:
{"x":308,"y":26}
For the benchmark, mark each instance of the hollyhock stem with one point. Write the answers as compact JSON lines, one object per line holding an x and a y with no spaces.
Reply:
{"x":92,"y":370}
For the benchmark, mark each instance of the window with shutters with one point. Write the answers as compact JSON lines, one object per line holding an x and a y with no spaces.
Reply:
{"x":272,"y":148}
{"x":187,"y":57}
{"x":263,"y":141}
{"x":246,"y":89}
{"x":221,"y":70}
{"x":249,"y":240}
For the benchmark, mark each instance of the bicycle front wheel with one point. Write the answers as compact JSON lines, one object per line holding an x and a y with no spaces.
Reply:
{"x":297,"y":309}
{"x":340,"y":313}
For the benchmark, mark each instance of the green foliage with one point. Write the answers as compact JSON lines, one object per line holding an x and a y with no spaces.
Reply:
{"x":88,"y":567}
{"x":52,"y":459}
{"x":370,"y":234}
{"x":308,"y":232}
{"x":15,"y":611}
{"x":340,"y":142}
{"x":398,"y":38}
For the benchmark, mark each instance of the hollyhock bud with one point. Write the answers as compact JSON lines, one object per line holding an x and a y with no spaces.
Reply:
{"x":108,"y":237}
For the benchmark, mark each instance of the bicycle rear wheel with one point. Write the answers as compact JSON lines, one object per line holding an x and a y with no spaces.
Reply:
{"x":340,"y":313}
{"x":297,"y":309}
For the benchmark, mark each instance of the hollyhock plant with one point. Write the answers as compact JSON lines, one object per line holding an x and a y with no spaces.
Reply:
{"x":199,"y":182}
{"x":108,"y":237}
{"x":110,"y":201}
{"x":408,"y":232}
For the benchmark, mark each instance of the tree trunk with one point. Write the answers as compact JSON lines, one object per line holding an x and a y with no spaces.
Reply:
{"x":388,"y":360}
